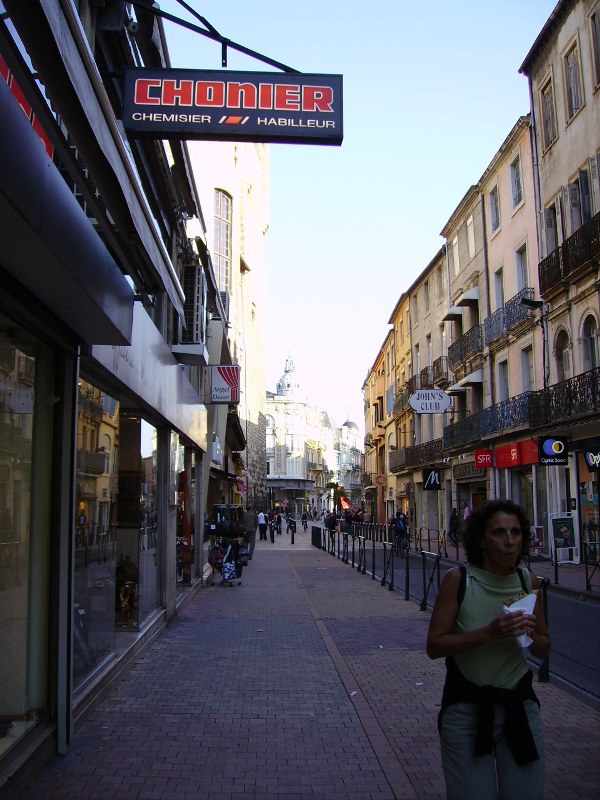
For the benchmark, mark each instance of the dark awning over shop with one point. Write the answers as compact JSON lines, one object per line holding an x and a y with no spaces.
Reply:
{"x":49,"y":244}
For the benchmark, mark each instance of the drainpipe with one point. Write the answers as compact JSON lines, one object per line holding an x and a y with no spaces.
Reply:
{"x":486,"y":272}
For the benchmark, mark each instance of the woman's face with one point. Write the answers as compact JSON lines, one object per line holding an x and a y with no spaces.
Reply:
{"x":502,"y":543}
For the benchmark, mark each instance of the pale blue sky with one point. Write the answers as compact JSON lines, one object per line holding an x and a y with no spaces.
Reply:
{"x":430,"y":92}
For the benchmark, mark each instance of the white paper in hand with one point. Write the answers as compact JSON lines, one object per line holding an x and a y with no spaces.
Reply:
{"x":526,"y":604}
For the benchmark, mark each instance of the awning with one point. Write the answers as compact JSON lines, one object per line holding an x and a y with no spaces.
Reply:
{"x":456,"y":389}
{"x":49,"y":244}
{"x":469,"y":298}
{"x":68,"y":72}
{"x":234,"y":434}
{"x":472,"y":379}
{"x":453,"y":313}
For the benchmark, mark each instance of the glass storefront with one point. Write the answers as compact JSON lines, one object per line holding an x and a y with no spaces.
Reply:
{"x":26,"y":424}
{"x":117,"y":569}
{"x":95,"y":529}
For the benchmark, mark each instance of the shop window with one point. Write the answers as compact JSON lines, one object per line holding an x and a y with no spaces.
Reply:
{"x":26,"y":425}
{"x":95,"y":529}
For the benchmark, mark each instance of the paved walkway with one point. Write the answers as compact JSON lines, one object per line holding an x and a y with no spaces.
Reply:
{"x":307,"y":681}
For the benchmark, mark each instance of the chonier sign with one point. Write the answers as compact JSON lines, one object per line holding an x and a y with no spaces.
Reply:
{"x":237,"y":106}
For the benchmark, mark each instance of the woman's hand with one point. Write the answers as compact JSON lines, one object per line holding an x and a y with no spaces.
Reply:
{"x":513,"y":624}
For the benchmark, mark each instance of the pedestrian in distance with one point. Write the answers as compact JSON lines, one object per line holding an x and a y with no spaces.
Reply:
{"x":453,"y":526}
{"x":490,"y":729}
{"x":262,"y":526}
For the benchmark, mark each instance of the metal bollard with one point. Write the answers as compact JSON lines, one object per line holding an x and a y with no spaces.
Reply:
{"x":544,"y":669}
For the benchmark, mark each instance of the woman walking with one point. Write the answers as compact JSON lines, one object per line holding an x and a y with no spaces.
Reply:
{"x":490,"y":729}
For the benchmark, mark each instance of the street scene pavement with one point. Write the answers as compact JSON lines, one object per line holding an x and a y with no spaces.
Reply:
{"x":309,"y":680}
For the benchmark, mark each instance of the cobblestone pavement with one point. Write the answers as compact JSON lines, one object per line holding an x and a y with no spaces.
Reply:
{"x":307,"y":681}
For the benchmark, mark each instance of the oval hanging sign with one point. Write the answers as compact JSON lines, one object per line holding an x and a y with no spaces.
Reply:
{"x":430,"y":401}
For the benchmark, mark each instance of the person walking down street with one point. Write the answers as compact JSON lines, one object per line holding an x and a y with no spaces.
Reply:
{"x":262,"y":525}
{"x":490,"y":728}
{"x":250,"y":525}
{"x":466,"y":513}
{"x":453,"y":526}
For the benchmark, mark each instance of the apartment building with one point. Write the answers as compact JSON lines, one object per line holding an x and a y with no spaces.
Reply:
{"x":403,"y":417}
{"x":233,"y":185}
{"x":563,"y":70}
{"x":378,"y":392}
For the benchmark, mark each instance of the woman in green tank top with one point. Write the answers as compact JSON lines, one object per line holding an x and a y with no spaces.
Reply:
{"x":491,"y":736}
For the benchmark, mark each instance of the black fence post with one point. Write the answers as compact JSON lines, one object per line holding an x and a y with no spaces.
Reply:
{"x":373,"y":557}
{"x":407,"y":576}
{"x":544,"y":669}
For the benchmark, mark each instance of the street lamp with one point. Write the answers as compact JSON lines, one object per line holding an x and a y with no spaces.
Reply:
{"x":540,"y":306}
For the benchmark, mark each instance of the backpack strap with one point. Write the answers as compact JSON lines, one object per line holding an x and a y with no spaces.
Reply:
{"x":462,"y":586}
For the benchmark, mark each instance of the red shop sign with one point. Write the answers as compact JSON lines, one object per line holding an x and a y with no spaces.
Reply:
{"x":508,"y":456}
{"x":483,"y":459}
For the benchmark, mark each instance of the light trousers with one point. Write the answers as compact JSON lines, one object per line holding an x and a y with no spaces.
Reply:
{"x":489,"y":777}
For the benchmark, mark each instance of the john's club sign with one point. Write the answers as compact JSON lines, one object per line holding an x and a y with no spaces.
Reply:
{"x":233,"y":106}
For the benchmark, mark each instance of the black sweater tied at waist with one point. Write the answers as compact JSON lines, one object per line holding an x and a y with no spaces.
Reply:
{"x":457,"y":689}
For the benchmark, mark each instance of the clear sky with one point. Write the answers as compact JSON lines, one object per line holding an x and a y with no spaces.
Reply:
{"x":431,"y":91}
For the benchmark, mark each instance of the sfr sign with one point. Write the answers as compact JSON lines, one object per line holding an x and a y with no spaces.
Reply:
{"x":483,"y":459}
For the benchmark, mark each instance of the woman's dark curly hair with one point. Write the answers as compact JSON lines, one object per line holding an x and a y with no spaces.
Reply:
{"x":478,"y":521}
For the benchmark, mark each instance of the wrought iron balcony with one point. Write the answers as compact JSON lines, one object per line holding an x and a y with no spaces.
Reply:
{"x":426,"y":378}
{"x":425,"y":453}
{"x":397,"y":460}
{"x":509,"y":316}
{"x":465,"y":431}
{"x":401,"y":402}
{"x":507,"y":414}
{"x":575,"y":399}
{"x":91,"y":463}
{"x":469,"y":344}
{"x":441,"y":373}
{"x":581,"y":247}
{"x":550,"y":271}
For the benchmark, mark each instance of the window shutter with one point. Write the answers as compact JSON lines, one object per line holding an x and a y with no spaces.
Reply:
{"x":584,"y":190}
{"x":574,"y":207}
{"x":550,"y":229}
{"x":595,"y":181}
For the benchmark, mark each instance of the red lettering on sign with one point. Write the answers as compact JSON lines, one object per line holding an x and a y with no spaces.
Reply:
{"x":210,"y":93}
{"x":178,"y":92}
{"x":317,"y":98}
{"x":287,"y":97}
{"x":142,"y":94}
{"x":241,"y":95}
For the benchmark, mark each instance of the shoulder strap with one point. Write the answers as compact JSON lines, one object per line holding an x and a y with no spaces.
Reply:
{"x":460,"y":595}
{"x":525,"y":580}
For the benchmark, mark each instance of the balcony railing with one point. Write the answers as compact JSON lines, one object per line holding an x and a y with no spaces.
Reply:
{"x":397,"y":459}
{"x":469,"y":344}
{"x":426,"y":378}
{"x":505,"y":415}
{"x":576,"y":398}
{"x":463,"y":432}
{"x":91,"y":463}
{"x":426,"y":453}
{"x":401,"y":402}
{"x":581,"y":247}
{"x":441,"y":373}
{"x":550,"y":271}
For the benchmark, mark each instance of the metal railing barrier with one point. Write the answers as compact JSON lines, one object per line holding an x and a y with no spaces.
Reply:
{"x":388,"y":565}
{"x":428,"y":577}
{"x":362,"y":555}
{"x":592,"y":558}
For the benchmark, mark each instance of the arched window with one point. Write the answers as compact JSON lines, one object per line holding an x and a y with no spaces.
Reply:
{"x":589,"y":341}
{"x":561,"y":352}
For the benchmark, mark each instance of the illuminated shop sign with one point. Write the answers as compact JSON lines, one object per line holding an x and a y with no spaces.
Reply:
{"x":553,"y":450}
{"x":233,"y":106}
